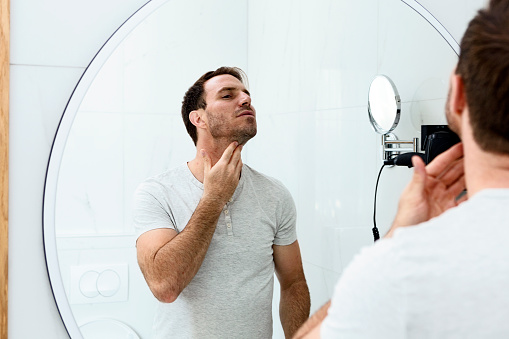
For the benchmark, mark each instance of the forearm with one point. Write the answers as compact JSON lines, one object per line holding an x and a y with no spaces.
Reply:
{"x":313,"y":322}
{"x":294,"y":307}
{"x":176,"y":263}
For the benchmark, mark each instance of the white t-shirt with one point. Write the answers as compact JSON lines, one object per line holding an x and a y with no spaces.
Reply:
{"x":446,"y":278}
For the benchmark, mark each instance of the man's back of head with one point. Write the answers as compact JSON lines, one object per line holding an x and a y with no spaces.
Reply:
{"x":484,"y":67}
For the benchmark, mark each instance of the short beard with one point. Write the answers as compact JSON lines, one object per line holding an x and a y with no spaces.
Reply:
{"x":243,"y":136}
{"x":219,"y":131}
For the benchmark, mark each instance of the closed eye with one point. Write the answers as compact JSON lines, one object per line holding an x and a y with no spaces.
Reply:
{"x":228,"y":96}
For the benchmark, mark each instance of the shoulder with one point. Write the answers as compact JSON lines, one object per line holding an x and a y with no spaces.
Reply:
{"x":443,"y":228}
{"x":370,"y":289}
{"x":269,"y":190}
{"x":382,"y":256}
{"x":381,"y":264}
{"x":389,"y":263}
{"x":264,"y":181}
{"x":159,"y":183}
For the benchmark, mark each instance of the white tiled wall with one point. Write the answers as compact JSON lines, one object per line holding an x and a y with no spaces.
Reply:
{"x":34,"y":114}
{"x":309,"y":63}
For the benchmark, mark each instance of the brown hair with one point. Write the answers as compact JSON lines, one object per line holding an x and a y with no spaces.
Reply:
{"x":484,"y":67}
{"x":195,"y":99}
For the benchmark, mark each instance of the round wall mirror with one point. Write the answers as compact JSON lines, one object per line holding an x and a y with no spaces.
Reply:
{"x":122,"y":125}
{"x":384,"y":104}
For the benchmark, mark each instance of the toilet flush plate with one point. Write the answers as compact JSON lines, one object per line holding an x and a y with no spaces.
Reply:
{"x":99,"y":284}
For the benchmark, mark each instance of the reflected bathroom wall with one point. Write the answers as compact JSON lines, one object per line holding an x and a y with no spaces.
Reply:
{"x":309,"y":66}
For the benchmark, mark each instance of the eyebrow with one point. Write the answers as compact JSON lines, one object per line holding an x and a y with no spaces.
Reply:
{"x":226,"y":89}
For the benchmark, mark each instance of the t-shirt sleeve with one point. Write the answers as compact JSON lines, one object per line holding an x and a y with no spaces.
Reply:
{"x":286,"y":232}
{"x":148,"y":209}
{"x":368,"y":301}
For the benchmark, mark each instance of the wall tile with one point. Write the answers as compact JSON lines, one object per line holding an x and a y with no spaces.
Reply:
{"x":320,"y":245}
{"x":344,"y":162}
{"x":37,"y":99}
{"x":184,"y":41}
{"x":276,"y":150}
{"x":312,"y":57}
{"x":317,"y":286}
{"x":64,"y":33}
{"x":331,"y":279}
{"x":90,"y":190}
{"x":106,"y":92}
{"x":165,"y":144}
{"x":428,"y":112}
{"x":417,"y":59}
{"x":352,"y":239}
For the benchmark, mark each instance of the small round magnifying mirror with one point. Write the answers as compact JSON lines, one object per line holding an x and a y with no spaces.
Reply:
{"x":384,"y":104}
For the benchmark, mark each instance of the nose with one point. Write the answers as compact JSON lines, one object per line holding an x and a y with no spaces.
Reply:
{"x":245,"y":99}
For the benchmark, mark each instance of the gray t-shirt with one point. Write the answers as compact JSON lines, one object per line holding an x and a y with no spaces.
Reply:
{"x":231,"y":295}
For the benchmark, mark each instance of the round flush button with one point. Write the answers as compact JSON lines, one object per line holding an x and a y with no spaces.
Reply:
{"x":108,"y":283}
{"x":88,"y":284}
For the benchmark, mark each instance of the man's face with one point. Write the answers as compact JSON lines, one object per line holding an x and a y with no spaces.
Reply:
{"x":229,"y":112}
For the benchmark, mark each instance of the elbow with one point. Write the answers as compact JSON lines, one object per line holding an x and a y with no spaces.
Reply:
{"x":165,"y":294}
{"x":167,"y":298}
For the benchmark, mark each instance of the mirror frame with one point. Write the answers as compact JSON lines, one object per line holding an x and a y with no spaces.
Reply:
{"x":55,"y":158}
{"x":63,"y":130}
{"x":437,"y":25}
{"x":4,"y":163}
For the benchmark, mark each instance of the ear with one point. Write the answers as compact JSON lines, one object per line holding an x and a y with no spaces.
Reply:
{"x":196,"y":118}
{"x":457,"y":100}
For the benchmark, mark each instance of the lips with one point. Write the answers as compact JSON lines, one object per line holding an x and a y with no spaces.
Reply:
{"x":246,"y":113}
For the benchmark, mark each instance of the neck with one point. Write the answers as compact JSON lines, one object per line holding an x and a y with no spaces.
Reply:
{"x":483,"y":169}
{"x":213,"y":148}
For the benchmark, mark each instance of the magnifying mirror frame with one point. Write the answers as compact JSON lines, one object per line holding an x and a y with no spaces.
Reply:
{"x":376,"y":126}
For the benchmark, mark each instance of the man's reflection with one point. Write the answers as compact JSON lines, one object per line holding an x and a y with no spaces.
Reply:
{"x":213,"y":231}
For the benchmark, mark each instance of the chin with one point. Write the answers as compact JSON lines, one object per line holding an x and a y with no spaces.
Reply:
{"x":245,"y":137}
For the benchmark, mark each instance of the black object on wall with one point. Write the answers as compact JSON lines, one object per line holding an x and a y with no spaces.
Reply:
{"x":436,"y":139}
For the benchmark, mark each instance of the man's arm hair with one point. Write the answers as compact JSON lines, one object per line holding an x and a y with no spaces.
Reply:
{"x":169,"y":261}
{"x":295,"y":300}
{"x":313,"y":324}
